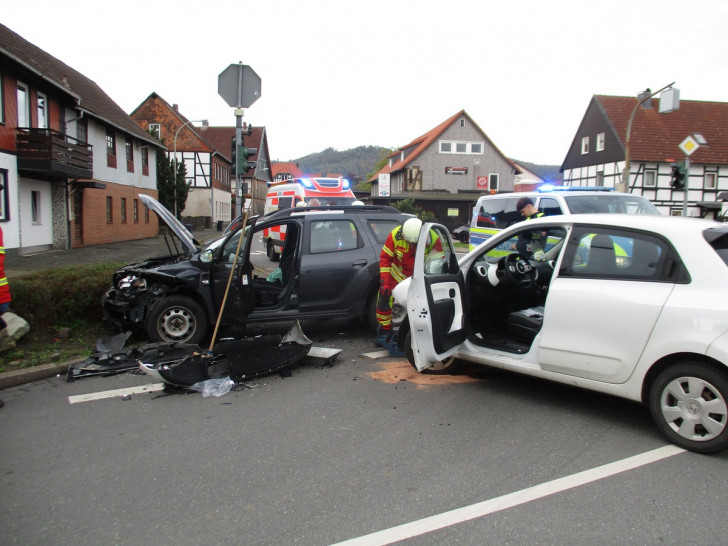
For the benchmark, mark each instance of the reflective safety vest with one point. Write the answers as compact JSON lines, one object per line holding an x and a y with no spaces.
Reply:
{"x":397,"y":259}
{"x":4,"y":286}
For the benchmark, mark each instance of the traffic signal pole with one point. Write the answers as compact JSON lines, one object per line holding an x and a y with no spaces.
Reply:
{"x":686,"y":184}
{"x":238,"y":175}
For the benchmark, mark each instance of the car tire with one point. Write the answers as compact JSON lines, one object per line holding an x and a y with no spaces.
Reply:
{"x":465,"y":237}
{"x":270,"y":250}
{"x":443,"y":367}
{"x":689,"y":404}
{"x":177,"y":318}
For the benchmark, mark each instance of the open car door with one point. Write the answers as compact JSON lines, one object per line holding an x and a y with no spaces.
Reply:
{"x":435,"y":298}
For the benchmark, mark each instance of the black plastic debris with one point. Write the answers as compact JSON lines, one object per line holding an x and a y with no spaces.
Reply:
{"x":238,"y":359}
{"x":111,"y":357}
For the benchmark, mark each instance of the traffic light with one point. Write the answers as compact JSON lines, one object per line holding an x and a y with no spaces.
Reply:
{"x":243,"y":164}
{"x":677,"y":178}
{"x":233,"y":156}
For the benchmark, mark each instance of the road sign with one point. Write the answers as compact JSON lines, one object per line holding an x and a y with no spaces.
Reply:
{"x":689,"y":145}
{"x":239,"y":85}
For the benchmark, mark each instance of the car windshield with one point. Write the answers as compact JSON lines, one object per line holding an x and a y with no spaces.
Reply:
{"x":612,"y":204}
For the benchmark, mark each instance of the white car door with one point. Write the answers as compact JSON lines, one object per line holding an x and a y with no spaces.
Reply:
{"x":434,"y":299}
{"x":604,"y":303}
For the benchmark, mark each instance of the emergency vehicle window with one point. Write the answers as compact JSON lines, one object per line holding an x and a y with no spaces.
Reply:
{"x":549,"y":206}
{"x":498,"y":213}
{"x":333,"y":236}
{"x":285,"y":203}
{"x":381,"y":229}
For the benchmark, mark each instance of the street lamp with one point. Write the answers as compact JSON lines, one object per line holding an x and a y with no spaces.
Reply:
{"x":624,"y":185}
{"x":203,"y":121}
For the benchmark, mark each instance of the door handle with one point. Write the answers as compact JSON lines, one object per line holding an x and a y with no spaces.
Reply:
{"x":359,"y":263}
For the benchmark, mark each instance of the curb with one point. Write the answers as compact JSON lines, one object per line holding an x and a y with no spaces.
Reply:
{"x":28,"y":375}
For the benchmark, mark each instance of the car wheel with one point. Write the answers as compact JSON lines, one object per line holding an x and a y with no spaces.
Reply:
{"x":273,"y":256}
{"x":464,"y":237}
{"x":177,"y":318}
{"x":446,"y":366}
{"x":688,"y":403}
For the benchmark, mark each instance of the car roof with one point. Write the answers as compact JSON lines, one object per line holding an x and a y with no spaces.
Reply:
{"x":656,"y":223}
{"x":331,"y":210}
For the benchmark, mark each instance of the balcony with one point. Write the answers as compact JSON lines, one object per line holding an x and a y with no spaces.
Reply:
{"x":48,"y":154}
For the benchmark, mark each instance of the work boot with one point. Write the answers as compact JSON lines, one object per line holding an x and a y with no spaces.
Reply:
{"x":394,"y":349}
{"x":383,"y":337}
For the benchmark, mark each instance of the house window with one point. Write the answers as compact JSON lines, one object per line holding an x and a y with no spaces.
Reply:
{"x":600,"y":179}
{"x":493,"y":181}
{"x":110,"y":148}
{"x":461,"y":147}
{"x":446,"y":147}
{"x":82,"y":130}
{"x":585,"y":145}
{"x":462,"y":122}
{"x":146,"y":214}
{"x":123,"y":210}
{"x":156,"y":130}
{"x":136,"y":211}
{"x":130,"y":155}
{"x":35,"y":207}
{"x":109,"y":209}
{"x":42,"y":108}
{"x":476,"y":148}
{"x":145,"y":160}
{"x":650,"y":180}
{"x":23,"y":105}
{"x":710,"y":181}
{"x":4,"y":216}
{"x":600,"y":142}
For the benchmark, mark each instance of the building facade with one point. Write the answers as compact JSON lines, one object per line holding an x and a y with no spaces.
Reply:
{"x":72,"y":163}
{"x":597,"y":155}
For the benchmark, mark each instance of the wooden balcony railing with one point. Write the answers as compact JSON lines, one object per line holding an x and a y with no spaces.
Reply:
{"x":53,"y":155}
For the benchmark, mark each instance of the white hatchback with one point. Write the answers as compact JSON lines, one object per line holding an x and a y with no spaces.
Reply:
{"x":633,"y":306}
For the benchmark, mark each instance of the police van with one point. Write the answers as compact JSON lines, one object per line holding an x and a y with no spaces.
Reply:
{"x":309,"y":192}
{"x":493,"y":213}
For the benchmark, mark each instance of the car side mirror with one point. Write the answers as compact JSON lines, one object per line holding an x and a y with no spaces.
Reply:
{"x":206,"y":257}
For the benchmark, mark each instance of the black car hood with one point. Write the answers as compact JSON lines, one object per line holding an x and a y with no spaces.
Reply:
{"x":175,"y":226}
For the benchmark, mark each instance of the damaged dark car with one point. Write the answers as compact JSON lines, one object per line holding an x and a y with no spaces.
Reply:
{"x":329,"y":268}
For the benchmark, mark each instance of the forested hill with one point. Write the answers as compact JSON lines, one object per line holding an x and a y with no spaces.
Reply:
{"x":357,"y":163}
{"x":354,"y":164}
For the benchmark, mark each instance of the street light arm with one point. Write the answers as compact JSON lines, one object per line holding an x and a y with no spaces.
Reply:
{"x":185,"y":124}
{"x":625,"y":177}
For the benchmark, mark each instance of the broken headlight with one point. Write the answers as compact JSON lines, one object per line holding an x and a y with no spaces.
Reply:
{"x":132,"y":282}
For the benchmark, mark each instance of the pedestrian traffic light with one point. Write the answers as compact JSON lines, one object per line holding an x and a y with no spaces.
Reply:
{"x":677,"y":178}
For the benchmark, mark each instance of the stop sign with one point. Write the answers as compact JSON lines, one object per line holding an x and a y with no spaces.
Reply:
{"x":239,"y":85}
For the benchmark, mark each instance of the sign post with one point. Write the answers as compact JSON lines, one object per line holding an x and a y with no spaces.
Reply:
{"x":688,"y":146}
{"x":239,"y":85}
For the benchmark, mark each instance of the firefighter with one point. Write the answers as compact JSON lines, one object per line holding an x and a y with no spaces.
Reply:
{"x":396,"y":263}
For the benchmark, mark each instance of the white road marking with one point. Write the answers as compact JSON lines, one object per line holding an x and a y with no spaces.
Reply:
{"x":152,"y":387}
{"x":447,"y":519}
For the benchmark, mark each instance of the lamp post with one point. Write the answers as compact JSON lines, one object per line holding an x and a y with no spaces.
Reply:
{"x":175,"y":157}
{"x":624,"y":185}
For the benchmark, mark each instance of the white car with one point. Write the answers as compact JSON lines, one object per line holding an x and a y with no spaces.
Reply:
{"x":629,"y":305}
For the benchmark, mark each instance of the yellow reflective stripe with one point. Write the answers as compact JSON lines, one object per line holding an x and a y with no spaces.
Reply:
{"x":3,"y":281}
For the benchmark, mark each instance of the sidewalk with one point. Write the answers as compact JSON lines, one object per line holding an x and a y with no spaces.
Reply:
{"x":125,"y":252}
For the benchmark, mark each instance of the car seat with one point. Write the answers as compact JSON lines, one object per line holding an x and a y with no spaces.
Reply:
{"x":602,"y":259}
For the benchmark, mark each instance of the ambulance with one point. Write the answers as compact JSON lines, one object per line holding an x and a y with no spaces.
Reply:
{"x":303,"y":192}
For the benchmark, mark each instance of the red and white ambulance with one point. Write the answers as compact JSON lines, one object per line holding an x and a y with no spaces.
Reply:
{"x":305,"y":192}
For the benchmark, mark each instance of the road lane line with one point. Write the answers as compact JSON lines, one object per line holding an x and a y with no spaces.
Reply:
{"x":447,"y":519}
{"x":153,"y":387}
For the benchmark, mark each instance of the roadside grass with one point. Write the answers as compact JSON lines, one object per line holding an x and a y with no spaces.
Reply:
{"x":55,"y":300}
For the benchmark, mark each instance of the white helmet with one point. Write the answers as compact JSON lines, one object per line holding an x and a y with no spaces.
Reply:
{"x":411,"y":230}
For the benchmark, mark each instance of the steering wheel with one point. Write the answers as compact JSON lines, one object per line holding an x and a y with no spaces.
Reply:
{"x":519,"y":272}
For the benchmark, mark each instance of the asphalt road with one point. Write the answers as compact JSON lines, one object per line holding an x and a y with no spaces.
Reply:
{"x":335,"y":453}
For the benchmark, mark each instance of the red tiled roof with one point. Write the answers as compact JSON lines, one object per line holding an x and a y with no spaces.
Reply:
{"x":655,"y":137}
{"x":422,"y":143}
{"x":287,"y":168}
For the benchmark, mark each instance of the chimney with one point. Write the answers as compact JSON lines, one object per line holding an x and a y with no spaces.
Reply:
{"x":175,"y":107}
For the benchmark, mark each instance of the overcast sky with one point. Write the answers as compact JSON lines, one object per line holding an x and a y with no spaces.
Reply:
{"x":343,"y":73}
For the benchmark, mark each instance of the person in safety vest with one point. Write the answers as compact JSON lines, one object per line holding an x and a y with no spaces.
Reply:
{"x":396,"y":263}
{"x":5,"y":298}
{"x":528,"y":241}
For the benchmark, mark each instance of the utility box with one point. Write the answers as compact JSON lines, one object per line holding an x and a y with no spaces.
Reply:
{"x":669,"y":101}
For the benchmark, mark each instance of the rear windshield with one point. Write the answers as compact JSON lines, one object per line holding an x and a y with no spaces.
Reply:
{"x":718,"y":239}
{"x":613,"y":204}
